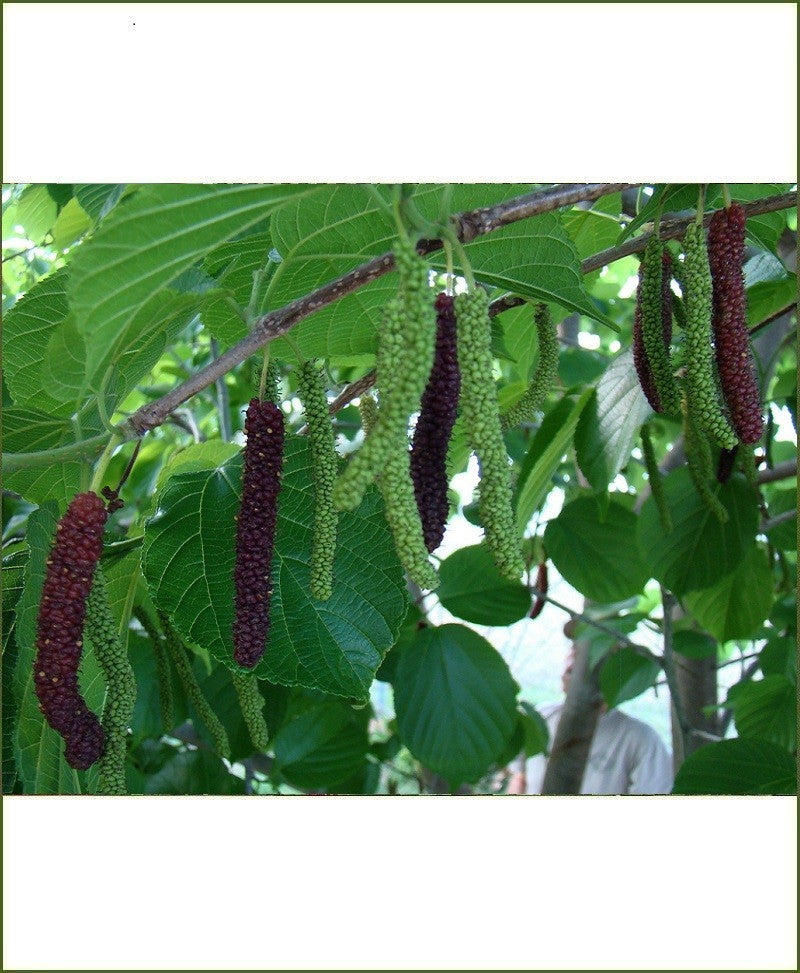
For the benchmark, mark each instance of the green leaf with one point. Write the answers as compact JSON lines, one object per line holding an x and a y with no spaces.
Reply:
{"x":148,"y":241}
{"x":64,"y":370}
{"x":694,"y":645}
{"x":769,"y":297}
{"x":322,"y":745}
{"x":471,"y":588}
{"x":597,"y":555}
{"x":98,"y":199}
{"x":610,"y":423}
{"x":738,"y":603}
{"x":335,"y":646}
{"x":766,"y":710}
{"x":39,"y":749}
{"x":146,"y":721}
{"x":626,"y":675}
{"x":549,"y":446}
{"x":233,"y":264}
{"x":28,"y":328}
{"x":535,"y":730}
{"x":13,"y":572}
{"x":36,"y":212}
{"x":73,"y":221}
{"x":595,"y":229}
{"x":783,"y":536}
{"x":534,"y":258}
{"x":27,"y":431}
{"x":779,"y":657}
{"x":455,"y":702}
{"x":699,"y":550}
{"x":194,"y":772}
{"x":601,"y":642}
{"x":738,"y":767}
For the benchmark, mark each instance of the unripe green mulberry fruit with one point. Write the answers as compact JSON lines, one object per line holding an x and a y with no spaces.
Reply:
{"x":703,"y":397}
{"x":654,"y":478}
{"x":654,"y":307}
{"x":59,"y":639}
{"x":120,"y":687}
{"x":726,"y":238}
{"x":163,"y":674}
{"x":437,"y":416}
{"x":406,"y":341}
{"x":542,"y":379}
{"x":479,"y":406}
{"x":646,"y":293}
{"x":698,"y":458}
{"x":183,"y":667}
{"x":400,"y":505}
{"x":324,"y":462}
{"x":252,"y":705}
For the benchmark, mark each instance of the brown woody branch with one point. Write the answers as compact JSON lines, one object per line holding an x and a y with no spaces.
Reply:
{"x":468,"y":226}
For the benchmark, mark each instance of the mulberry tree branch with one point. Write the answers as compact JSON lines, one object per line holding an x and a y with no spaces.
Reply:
{"x":276,"y":323}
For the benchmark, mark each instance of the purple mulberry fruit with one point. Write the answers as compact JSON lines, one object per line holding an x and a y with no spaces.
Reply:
{"x":255,"y":530}
{"x":643,"y":367}
{"x":734,"y":356}
{"x":437,"y":417}
{"x":59,"y":639}
{"x":541,"y":587}
{"x":725,"y":464}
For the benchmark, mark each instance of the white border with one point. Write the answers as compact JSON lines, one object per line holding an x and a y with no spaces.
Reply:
{"x":393,"y":883}
{"x":351,"y":92}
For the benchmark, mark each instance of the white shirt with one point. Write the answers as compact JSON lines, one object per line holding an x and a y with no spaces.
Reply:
{"x":627,"y":757}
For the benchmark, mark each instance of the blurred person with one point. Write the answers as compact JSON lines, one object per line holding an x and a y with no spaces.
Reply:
{"x":626,"y":756}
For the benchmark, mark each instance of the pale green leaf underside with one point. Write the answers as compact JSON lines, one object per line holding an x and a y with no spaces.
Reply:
{"x":147,"y":242}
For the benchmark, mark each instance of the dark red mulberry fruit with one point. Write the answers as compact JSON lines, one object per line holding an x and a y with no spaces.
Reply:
{"x":725,"y":464}
{"x":59,"y":639}
{"x":726,"y":235}
{"x":644,"y":294}
{"x":255,"y":530}
{"x":437,"y":417}
{"x":541,"y":587}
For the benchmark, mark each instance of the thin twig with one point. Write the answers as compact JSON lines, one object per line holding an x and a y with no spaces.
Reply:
{"x":783,"y":471}
{"x":600,"y":626}
{"x":777,"y":519}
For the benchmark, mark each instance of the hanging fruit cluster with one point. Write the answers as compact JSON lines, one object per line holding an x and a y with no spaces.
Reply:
{"x":715,"y":392}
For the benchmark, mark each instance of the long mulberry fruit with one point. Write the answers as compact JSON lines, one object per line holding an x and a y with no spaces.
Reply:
{"x":655,"y":480}
{"x":59,"y":640}
{"x":120,"y":687}
{"x":543,"y":377}
{"x":541,"y":589}
{"x":406,"y":342}
{"x":437,"y":417}
{"x":255,"y":530}
{"x":652,"y":329}
{"x":726,"y":243}
{"x":323,"y":472}
{"x":698,"y":458}
{"x":703,"y":397}
{"x":191,"y":686}
{"x":726,"y":463}
{"x":163,"y":674}
{"x":252,"y":705}
{"x":479,"y":402}
{"x":400,"y":505}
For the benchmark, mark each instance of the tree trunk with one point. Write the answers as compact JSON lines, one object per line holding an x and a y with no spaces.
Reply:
{"x":573,"y":741}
